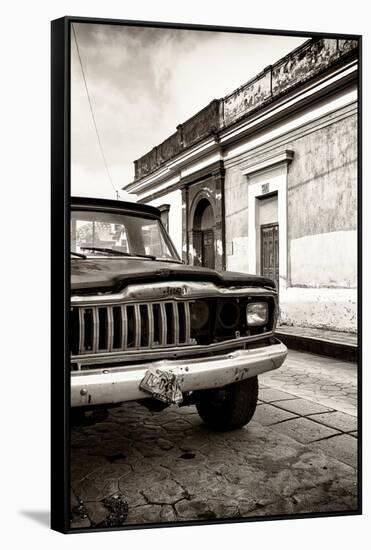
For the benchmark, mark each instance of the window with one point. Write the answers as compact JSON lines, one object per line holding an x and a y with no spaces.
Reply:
{"x":98,"y":232}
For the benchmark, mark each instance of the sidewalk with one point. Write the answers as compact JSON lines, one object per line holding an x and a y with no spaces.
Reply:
{"x":340,"y":345}
{"x":323,"y":380}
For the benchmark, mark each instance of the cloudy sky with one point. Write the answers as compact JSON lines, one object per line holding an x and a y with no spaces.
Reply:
{"x":142,"y":83}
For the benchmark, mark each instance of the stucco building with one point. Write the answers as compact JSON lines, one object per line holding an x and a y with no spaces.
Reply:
{"x":264,"y":181}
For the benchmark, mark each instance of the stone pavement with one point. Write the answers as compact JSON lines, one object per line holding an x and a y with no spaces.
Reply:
{"x":321,"y":379}
{"x":297,"y":455}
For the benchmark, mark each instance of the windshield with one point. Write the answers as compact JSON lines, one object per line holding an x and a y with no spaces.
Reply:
{"x":114,"y":234}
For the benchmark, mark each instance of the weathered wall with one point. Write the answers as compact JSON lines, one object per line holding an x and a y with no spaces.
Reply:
{"x":322,"y":229}
{"x":174,"y":199}
{"x":236,"y":219}
{"x":329,"y":308}
{"x":322,"y":207}
{"x":321,"y":226}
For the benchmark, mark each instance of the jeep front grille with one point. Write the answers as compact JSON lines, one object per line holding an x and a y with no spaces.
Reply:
{"x":110,"y":328}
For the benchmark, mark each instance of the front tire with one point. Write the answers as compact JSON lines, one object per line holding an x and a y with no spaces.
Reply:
{"x":230,"y":407}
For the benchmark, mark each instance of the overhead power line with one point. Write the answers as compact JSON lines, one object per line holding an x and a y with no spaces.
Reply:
{"x":92,"y":114}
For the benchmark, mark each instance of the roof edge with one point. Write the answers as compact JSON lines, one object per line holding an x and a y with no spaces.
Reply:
{"x":115,"y":204}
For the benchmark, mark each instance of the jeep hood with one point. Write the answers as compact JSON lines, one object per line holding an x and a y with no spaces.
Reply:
{"x":113,"y":274}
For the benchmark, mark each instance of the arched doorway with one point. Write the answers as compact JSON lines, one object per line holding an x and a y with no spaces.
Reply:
{"x":203,"y":234}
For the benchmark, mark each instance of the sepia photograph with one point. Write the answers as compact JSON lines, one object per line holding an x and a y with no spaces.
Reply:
{"x":214,"y":275}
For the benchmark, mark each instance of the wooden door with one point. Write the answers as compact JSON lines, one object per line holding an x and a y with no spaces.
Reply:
{"x":269,"y":252}
{"x":208,"y":251}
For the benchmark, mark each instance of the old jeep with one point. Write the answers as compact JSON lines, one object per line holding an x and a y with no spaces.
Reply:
{"x":146,"y":327}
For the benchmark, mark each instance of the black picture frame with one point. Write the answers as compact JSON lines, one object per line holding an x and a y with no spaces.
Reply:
{"x":60,"y":265}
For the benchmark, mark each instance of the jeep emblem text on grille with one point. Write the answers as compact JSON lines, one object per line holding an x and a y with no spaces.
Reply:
{"x":171,"y":291}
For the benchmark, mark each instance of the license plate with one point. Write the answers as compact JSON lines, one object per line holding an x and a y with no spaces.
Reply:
{"x":162,"y":385}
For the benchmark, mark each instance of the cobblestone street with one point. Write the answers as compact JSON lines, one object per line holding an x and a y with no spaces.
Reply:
{"x":297,"y":455}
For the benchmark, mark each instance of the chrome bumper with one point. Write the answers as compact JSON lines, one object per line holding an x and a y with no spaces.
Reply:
{"x":118,"y":384}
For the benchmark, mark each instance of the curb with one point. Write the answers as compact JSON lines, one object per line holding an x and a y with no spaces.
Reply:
{"x":319,"y":346}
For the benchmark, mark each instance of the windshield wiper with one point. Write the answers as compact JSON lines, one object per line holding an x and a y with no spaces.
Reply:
{"x":169,"y":260}
{"x":117,"y":252}
{"x":77,"y":254}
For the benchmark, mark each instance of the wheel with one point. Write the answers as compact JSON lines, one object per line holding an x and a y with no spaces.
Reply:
{"x":230,"y":407}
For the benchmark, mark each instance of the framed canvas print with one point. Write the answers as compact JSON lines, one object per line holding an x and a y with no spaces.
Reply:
{"x":206,"y":274}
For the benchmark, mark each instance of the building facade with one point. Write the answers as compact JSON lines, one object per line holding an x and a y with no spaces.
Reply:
{"x":264,"y":181}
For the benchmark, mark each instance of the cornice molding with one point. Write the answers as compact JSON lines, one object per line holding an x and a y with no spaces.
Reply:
{"x":309,"y":93}
{"x":322,"y":121}
{"x":267,"y":163}
{"x":174,"y":166}
{"x":314,"y":58}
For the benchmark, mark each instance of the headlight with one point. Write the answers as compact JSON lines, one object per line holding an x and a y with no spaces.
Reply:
{"x":228,"y":315}
{"x":199,"y":312}
{"x":257,"y":314}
